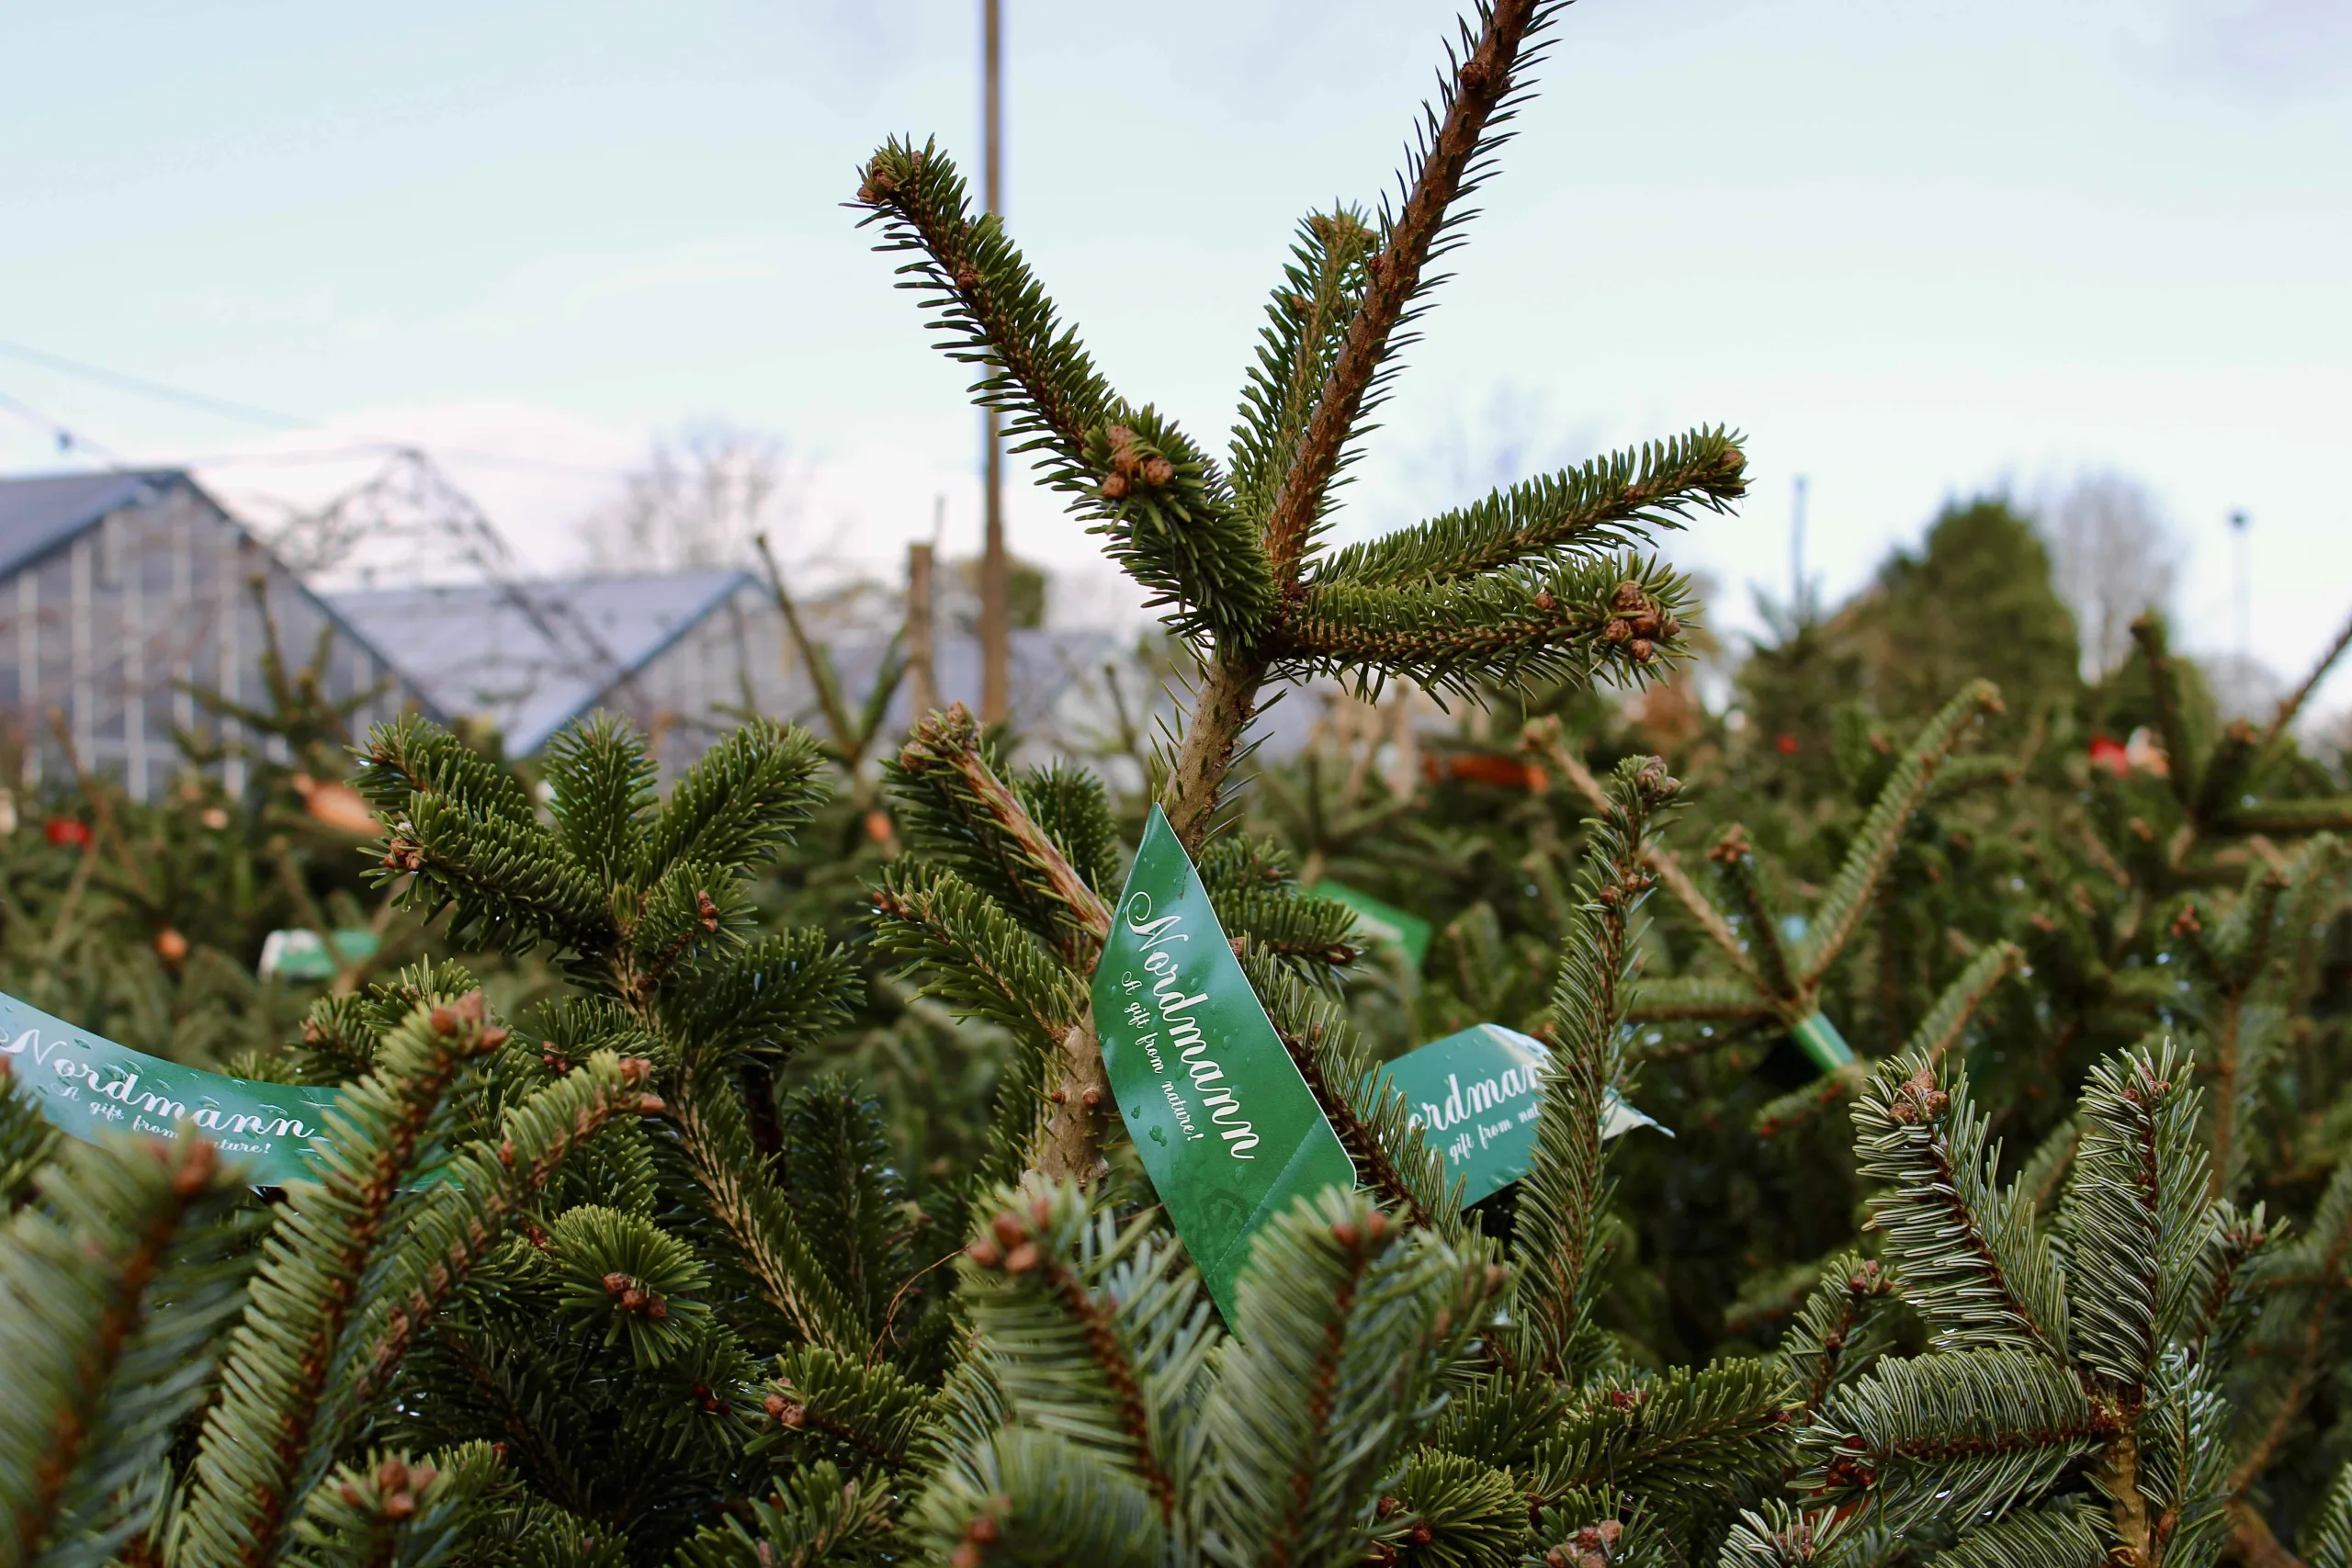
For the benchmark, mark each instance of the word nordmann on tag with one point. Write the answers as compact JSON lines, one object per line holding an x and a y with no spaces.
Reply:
{"x":1478,"y":1096}
{"x":86,"y":1085}
{"x":1227,"y":1129}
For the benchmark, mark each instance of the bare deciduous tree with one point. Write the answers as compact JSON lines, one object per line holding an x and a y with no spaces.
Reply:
{"x":698,"y":500}
{"x":2115,"y":557}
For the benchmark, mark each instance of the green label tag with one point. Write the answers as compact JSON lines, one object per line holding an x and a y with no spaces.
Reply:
{"x":86,"y":1085}
{"x":1823,"y":1045}
{"x":303,"y":955}
{"x":1409,"y":933}
{"x":1229,"y":1131}
{"x":1477,"y":1096}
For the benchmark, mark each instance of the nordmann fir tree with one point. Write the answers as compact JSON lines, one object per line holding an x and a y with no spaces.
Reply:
{"x":1540,"y":580}
{"x":650,"y":1314}
{"x":502,"y":1257}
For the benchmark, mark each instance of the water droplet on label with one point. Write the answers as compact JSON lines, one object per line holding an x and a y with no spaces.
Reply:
{"x":1159,"y":1137}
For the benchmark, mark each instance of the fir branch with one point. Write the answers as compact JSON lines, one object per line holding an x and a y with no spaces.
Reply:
{"x":2305,"y":1279}
{"x":820,"y":1513}
{"x":1617,"y":618}
{"x":1881,"y":833}
{"x":1543,"y":735}
{"x":1686,"y":1436}
{"x":1966,"y":1252}
{"x":2135,"y":1219}
{"x":263,"y":1445}
{"x":1782,"y":1536}
{"x":2176,"y":1461}
{"x":413,"y":756}
{"x":769,"y":1000}
{"x":1952,"y":1435}
{"x":863,"y":1412}
{"x":1561,"y":1197}
{"x":709,"y":1116}
{"x":1307,"y":326}
{"x":2327,"y":1534}
{"x":955,"y":806}
{"x":2217,"y":1299}
{"x":1393,"y":1161}
{"x":1071,"y":808}
{"x":967,"y":952}
{"x":1091,"y":1332}
{"x":487,"y":1186}
{"x":1841,"y":1331}
{"x":1451,"y":1512}
{"x":2330,"y":815}
{"x":1026,"y":1495}
{"x":1456,"y":150}
{"x":1169,"y":519}
{"x":2223,"y":778}
{"x":839,"y":1179}
{"x":1695,"y":999}
{"x":602,"y":775}
{"x":741,"y":803}
{"x":1249,"y":882}
{"x":1347,"y":1327}
{"x":1499,"y":1418}
{"x":1736,"y":862}
{"x":386,"y":1511}
{"x":114,"y":1287}
{"x":27,"y":1142}
{"x":1608,"y":505}
{"x":507,"y":885}
{"x":2066,"y":1533}
{"x":1957,"y":1004}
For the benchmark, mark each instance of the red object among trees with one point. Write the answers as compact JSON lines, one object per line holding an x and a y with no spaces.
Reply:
{"x":67,"y":831}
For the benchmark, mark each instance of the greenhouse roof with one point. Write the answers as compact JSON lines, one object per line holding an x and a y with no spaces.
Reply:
{"x":530,"y":656}
{"x":42,"y":512}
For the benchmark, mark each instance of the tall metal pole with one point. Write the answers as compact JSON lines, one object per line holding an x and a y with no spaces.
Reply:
{"x":995,"y":698}
{"x":2239,"y":522}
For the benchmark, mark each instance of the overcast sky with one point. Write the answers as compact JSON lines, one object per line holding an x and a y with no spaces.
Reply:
{"x":1911,"y":250}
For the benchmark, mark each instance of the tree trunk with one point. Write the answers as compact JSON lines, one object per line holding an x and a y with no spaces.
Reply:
{"x":1077,"y":1100}
{"x":1226,"y":703}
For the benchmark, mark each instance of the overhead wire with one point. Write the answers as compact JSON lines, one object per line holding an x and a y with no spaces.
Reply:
{"x":66,"y":438}
{"x":253,"y":413}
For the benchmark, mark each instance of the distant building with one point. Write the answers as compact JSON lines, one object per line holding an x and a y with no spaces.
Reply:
{"x":685,"y":656}
{"x":674,"y":653}
{"x":119,"y":592}
{"x":124,"y":594}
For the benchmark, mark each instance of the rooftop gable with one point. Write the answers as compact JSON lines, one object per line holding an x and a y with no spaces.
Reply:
{"x":530,"y":656}
{"x":41,"y":512}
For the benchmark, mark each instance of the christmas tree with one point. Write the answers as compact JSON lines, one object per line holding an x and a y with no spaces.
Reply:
{"x":631,"y":1276}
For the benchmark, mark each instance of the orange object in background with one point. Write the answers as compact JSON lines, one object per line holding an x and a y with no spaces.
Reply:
{"x":1487,"y":768}
{"x":336,"y":806}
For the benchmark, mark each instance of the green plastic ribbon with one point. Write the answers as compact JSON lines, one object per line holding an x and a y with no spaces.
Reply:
{"x":1478,"y":1097}
{"x":1228,"y":1130}
{"x":1384,"y":924}
{"x":1823,"y":1045}
{"x":86,"y":1085}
